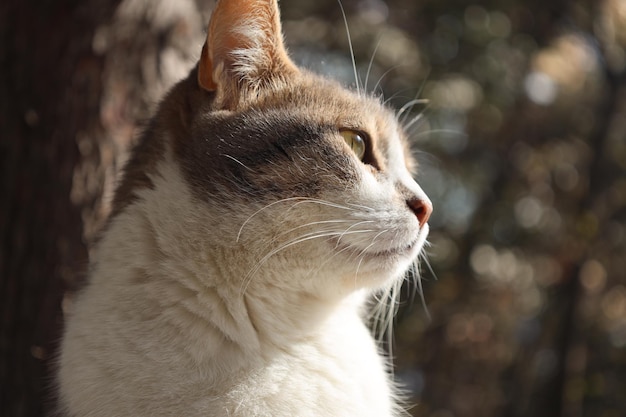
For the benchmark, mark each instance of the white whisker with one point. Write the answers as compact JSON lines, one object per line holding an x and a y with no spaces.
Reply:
{"x":289,"y":243}
{"x":316,"y":223}
{"x":284,"y":246}
{"x":409,"y":106}
{"x":345,"y":21}
{"x":397,"y":94}
{"x":369,"y":67}
{"x":238,"y":161}
{"x":348,"y":231}
{"x":364,"y":251}
{"x":262,"y":209}
{"x":418,"y":279}
{"x":323,"y":203}
{"x":345,"y":248}
{"x":416,"y":100}
{"x":299,"y":200}
{"x":374,"y":240}
{"x":383,"y":313}
{"x":359,"y":206}
{"x":383,"y":76}
{"x":428,"y":132}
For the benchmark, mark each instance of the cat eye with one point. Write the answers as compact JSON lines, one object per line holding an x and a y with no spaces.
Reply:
{"x":356,"y":142}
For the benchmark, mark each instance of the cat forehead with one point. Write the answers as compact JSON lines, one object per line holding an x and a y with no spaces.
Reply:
{"x":326,"y":102}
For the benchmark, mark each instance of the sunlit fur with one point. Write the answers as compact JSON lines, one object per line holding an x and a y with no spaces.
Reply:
{"x":247,"y":238}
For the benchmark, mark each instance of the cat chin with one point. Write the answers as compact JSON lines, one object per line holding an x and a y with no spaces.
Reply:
{"x":379,"y":269}
{"x":384,"y":259}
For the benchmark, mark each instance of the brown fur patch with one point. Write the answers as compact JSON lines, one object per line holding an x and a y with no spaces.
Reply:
{"x":172,"y":116}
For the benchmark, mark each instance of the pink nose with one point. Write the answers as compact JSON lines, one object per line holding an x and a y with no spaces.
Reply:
{"x":422,"y":209}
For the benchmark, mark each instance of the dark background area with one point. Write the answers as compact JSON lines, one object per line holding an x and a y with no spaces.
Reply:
{"x":522,"y":148}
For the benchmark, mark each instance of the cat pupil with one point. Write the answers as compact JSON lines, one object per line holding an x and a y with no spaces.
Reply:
{"x":355,"y":141}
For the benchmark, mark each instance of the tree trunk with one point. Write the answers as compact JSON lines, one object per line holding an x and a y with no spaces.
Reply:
{"x":76,"y":76}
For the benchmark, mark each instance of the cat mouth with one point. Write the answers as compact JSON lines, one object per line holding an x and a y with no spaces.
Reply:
{"x":399,"y":251}
{"x":408,"y":250}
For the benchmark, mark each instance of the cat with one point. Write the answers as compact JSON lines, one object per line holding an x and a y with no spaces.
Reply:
{"x":262,"y":208}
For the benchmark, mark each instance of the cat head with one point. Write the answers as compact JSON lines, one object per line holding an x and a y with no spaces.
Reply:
{"x":300,"y":176}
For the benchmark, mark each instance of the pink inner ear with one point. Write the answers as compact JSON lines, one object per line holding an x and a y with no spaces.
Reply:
{"x":240,"y":25}
{"x":205,"y":71}
{"x":223,"y":36}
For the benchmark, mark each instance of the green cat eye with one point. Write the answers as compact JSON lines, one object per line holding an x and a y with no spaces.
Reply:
{"x":355,"y":141}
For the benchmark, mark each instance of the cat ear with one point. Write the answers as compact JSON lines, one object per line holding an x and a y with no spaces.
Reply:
{"x":244,"y":48}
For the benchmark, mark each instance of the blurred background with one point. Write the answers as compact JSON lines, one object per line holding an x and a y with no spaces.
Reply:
{"x":521,"y":140}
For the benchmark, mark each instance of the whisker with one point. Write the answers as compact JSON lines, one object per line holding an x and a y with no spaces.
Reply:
{"x":299,"y":200}
{"x":421,"y":293}
{"x":345,"y":21}
{"x":397,"y":94}
{"x":395,"y":67}
{"x":418,"y":93}
{"x":374,"y":240}
{"x":427,"y":262}
{"x":428,"y":132}
{"x":384,"y":312}
{"x":347,"y":231}
{"x":237,"y":161}
{"x":409,"y":106}
{"x":313,"y":233}
{"x":370,"y":209}
{"x":273,"y":252}
{"x":381,"y":310}
{"x":323,"y":203}
{"x":317,"y":223}
{"x":413,"y":121}
{"x":346,"y":248}
{"x":369,"y":67}
{"x":294,"y":241}
{"x":364,"y":251}
{"x":262,"y":209}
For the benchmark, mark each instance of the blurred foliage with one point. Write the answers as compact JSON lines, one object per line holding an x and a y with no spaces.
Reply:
{"x":522,"y":148}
